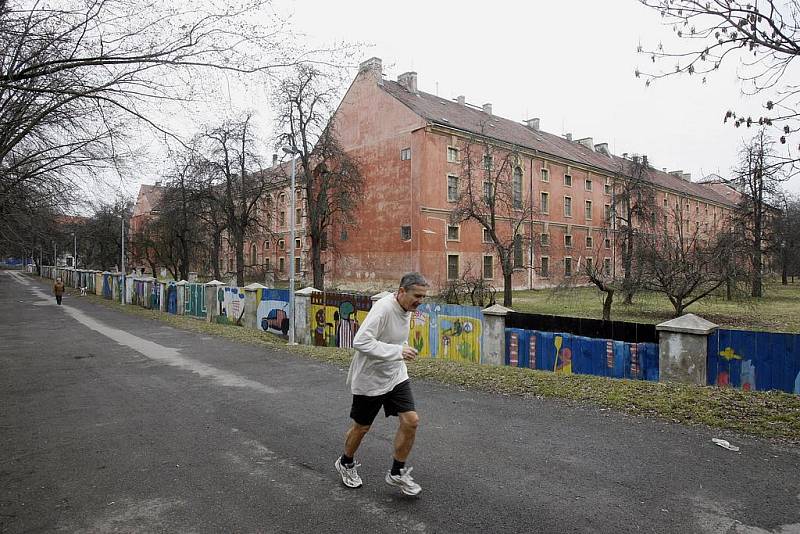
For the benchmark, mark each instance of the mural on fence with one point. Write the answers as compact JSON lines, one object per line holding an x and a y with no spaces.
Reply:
{"x":272,"y":314}
{"x":107,"y":285}
{"x":231,"y":305}
{"x":195,"y":300}
{"x":155,"y":296}
{"x":335,"y":318}
{"x":172,"y":298}
{"x":447,"y":331}
{"x":567,"y":354}
{"x":754,"y":360}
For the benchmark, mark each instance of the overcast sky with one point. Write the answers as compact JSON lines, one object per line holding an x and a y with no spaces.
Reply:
{"x":569,"y":62}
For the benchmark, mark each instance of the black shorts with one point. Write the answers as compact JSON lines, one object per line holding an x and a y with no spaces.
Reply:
{"x":398,"y":400}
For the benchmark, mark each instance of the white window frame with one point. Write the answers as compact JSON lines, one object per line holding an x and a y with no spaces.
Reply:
{"x":405,"y":154}
{"x":449,"y":178}
{"x":457,"y":232}
{"x":452,"y":151}
{"x":483,"y":267}
{"x":567,"y":200}
{"x":458,"y":266}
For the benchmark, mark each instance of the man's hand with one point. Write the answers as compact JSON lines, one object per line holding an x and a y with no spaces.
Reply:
{"x":409,"y":353}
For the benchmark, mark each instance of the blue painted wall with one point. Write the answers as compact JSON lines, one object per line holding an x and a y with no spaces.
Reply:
{"x":582,"y":355}
{"x":754,"y":360}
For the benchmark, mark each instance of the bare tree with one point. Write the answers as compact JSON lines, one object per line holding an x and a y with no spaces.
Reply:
{"x":330,"y":176}
{"x":102,"y":234}
{"x":73,"y":72}
{"x":633,"y":205}
{"x":758,"y":178}
{"x":489,"y":192}
{"x":681,"y":261}
{"x":764,"y":36}
{"x":238,"y":183}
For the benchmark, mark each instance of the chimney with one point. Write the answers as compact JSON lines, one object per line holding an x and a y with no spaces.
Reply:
{"x":487,"y":108}
{"x":462,"y":100}
{"x":533,"y":124}
{"x":568,"y":136}
{"x":624,"y":155}
{"x":678,"y":173}
{"x":602,"y":148}
{"x":644,"y":160}
{"x":687,"y":176}
{"x":409,"y":81}
{"x":373,"y":67}
{"x":274,"y":160}
{"x":635,"y":158}
{"x":663,"y":169}
{"x":158,"y":183}
{"x":587,"y":142}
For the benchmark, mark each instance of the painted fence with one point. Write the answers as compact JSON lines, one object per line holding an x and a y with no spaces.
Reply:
{"x":172,"y":298}
{"x":448,"y":332}
{"x":754,"y":360}
{"x":230,"y":304}
{"x":272,"y":314}
{"x":195,"y":300}
{"x":335,"y":318}
{"x":568,"y":353}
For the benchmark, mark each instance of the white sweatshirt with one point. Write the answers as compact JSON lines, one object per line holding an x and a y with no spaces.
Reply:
{"x":378,"y":364}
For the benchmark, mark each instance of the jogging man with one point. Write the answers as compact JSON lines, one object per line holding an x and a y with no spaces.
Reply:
{"x":378,"y":377}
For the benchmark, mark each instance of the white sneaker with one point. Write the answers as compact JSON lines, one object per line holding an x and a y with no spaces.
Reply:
{"x":349,"y":475}
{"x":404,"y":481}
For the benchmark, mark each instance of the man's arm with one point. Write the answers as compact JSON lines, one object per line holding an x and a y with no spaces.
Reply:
{"x":366,"y":340}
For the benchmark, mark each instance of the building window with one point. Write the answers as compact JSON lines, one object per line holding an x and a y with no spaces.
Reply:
{"x":665,"y":202}
{"x":517,"y":188}
{"x":544,"y":270}
{"x":282,"y":218}
{"x":545,"y":175}
{"x":343,"y":235}
{"x":487,"y":162}
{"x":607,"y":213}
{"x":607,"y":188}
{"x":568,"y":180}
{"x":568,"y":240}
{"x":452,"y":188}
{"x":487,"y":236}
{"x":282,"y":198}
{"x":544,"y":239}
{"x":587,"y":210}
{"x":297,"y":242}
{"x":607,"y":242}
{"x":545,"y":203}
{"x":253,"y":254}
{"x":281,"y":244}
{"x":282,"y":264}
{"x":230,"y":265}
{"x":298,"y":216}
{"x":452,"y":266}
{"x":452,"y":233}
{"x":405,"y":154}
{"x":266,"y":264}
{"x":297,"y":264}
{"x":590,"y":265}
{"x":567,"y":266}
{"x":567,"y":206}
{"x":488,"y":191}
{"x":519,"y":260}
{"x":607,"y":266}
{"x":488,"y":267}
{"x":589,"y":241}
{"x":452,"y":154}
{"x":405,"y":232}
{"x":588,"y":185}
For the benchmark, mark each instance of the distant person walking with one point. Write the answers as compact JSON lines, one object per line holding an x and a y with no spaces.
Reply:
{"x":378,"y":377}
{"x":58,"y":290}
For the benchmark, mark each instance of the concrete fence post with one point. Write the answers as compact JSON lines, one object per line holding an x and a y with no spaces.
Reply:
{"x":302,"y":315}
{"x":683,"y":349}
{"x":494,"y":335}
{"x":180,"y":297}
{"x":251,"y":301}
{"x":212,"y":299}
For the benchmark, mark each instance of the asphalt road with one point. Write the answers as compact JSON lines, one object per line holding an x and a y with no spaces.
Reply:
{"x":113,"y":423}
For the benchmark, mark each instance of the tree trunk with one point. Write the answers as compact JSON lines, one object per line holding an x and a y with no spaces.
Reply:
{"x":607,"y":301}
{"x":239,"y":261}
{"x":507,"y":271}
{"x":728,"y":289}
{"x":784,"y":268}
{"x":216,"y":247}
{"x":317,"y":270}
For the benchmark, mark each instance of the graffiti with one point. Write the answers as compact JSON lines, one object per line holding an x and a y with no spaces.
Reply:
{"x":230,"y":301}
{"x":155,"y":296}
{"x":563,"y":358}
{"x":194,"y":300}
{"x":567,"y":354}
{"x":272,"y":314}
{"x":754,"y":360}
{"x":335,"y":318}
{"x":447,"y":331}
{"x":106,"y":286}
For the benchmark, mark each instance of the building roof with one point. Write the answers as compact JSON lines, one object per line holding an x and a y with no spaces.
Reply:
{"x":148,"y":199}
{"x":448,"y":113}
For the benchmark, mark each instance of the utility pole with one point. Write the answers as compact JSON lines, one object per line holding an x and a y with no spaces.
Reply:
{"x":122,"y":262}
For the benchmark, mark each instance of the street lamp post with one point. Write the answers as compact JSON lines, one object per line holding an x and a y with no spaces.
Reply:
{"x":292,"y":151}
{"x":74,"y":250}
